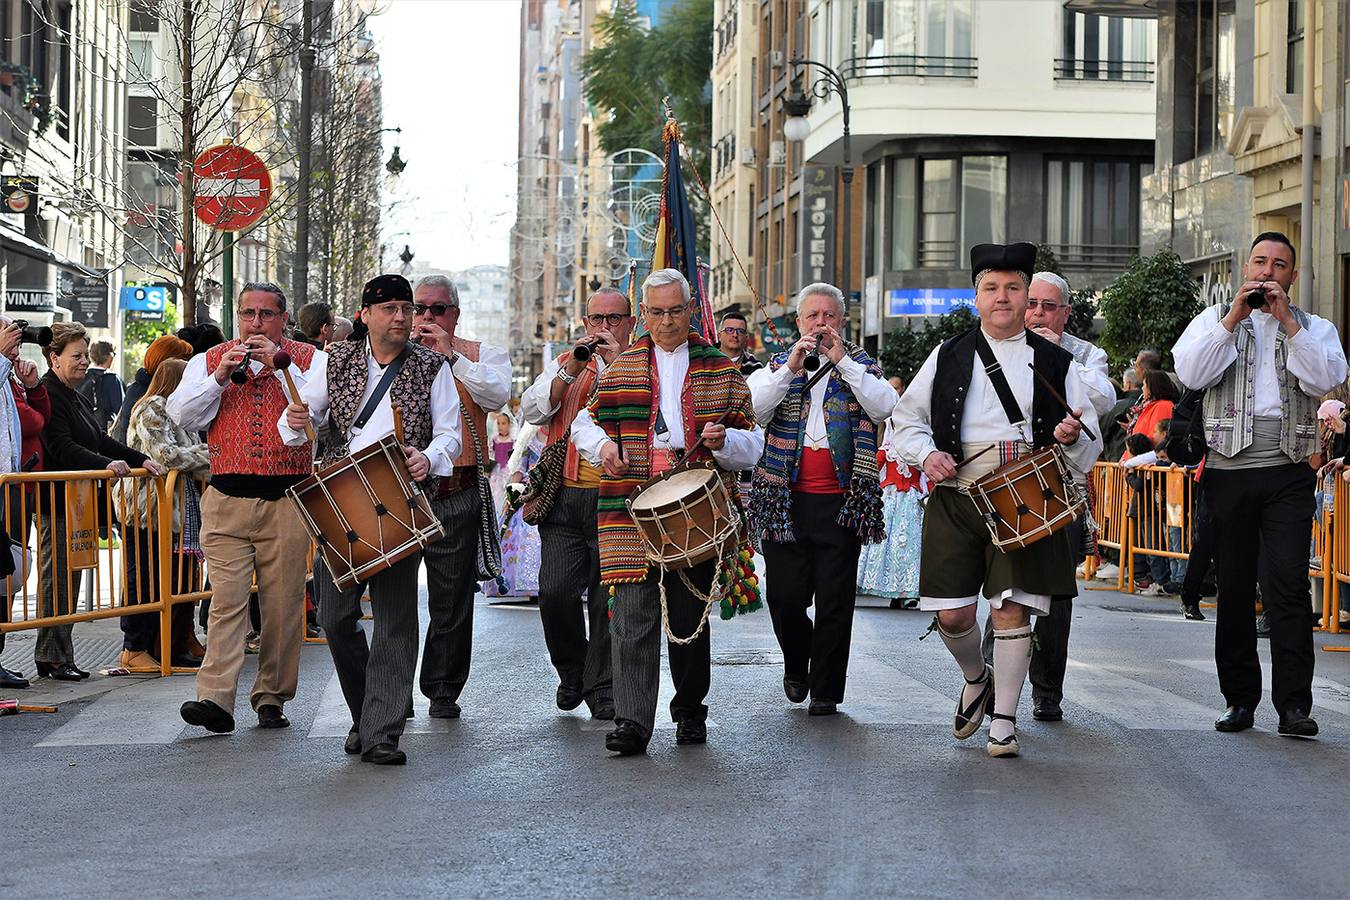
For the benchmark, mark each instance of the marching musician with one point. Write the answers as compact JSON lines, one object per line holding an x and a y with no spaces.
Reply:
{"x":816,"y":497}
{"x":249,"y":527}
{"x":977,"y":392}
{"x":667,"y":391}
{"x":353,"y":396}
{"x":483,"y":379}
{"x":569,"y":549}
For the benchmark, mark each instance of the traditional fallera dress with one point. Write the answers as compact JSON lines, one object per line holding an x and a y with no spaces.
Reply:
{"x":520,"y":540}
{"x":891,"y":569}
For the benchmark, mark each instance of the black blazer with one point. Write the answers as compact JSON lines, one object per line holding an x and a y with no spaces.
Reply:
{"x":73,"y":440}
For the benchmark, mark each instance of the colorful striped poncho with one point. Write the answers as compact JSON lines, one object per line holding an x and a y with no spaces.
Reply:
{"x":853,"y":446}
{"x":624,"y":406}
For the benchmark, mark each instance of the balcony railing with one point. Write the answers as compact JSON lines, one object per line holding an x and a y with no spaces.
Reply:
{"x":1135,"y":70}
{"x":1095,"y":257}
{"x":939,"y":255}
{"x":910,"y":66}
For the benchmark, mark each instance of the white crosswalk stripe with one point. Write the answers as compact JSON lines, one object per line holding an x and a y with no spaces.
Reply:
{"x":143,"y":713}
{"x":1133,"y":704}
{"x":1327,"y":694}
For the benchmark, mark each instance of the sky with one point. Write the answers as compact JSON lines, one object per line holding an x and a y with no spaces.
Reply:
{"x":450,"y":72}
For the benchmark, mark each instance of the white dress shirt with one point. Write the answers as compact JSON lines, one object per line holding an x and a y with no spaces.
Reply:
{"x":534,"y":405}
{"x":874,"y":394}
{"x":743,"y":447}
{"x":983,"y":420}
{"x":445,"y":434}
{"x":1314,"y":356}
{"x":196,"y":401}
{"x":488,"y":380}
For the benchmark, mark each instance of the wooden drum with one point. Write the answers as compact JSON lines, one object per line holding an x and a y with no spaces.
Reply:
{"x":685,"y":517}
{"x":1027,"y":499}
{"x":365,"y":513}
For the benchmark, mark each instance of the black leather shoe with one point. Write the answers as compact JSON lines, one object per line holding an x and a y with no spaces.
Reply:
{"x":1297,"y":723}
{"x":444,"y":709}
{"x":1192,"y":612}
{"x":569,"y":697}
{"x":691,"y":731}
{"x":11,"y":679}
{"x":626,"y":739}
{"x":58,"y":672}
{"x":1046,"y":710}
{"x":185,"y":661}
{"x":795,"y":690}
{"x":208,"y":715}
{"x":352,"y":745}
{"x":1235,"y":718}
{"x":385,"y":755}
{"x":822,"y":707}
{"x":270,"y":716}
{"x":603,"y":710}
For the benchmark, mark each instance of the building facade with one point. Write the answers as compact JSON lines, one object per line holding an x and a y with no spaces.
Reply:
{"x":734,"y":156}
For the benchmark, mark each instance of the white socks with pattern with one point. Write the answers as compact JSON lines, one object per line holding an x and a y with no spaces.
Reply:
{"x":1012,"y":660}
{"x":965,"y":649}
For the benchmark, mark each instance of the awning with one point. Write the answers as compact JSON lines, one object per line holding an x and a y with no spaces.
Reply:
{"x":21,"y":242}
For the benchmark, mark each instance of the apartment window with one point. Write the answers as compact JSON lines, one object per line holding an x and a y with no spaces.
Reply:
{"x":940,"y":208}
{"x":1214,"y":69}
{"x":1293,"y":60}
{"x":874,"y":40}
{"x":1092,"y":210}
{"x":144,"y":16}
{"x":63,"y":70}
{"x":1105,"y":48}
{"x":142,"y":116}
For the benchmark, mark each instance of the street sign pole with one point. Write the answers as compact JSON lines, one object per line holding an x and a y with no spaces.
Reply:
{"x":227,"y":287}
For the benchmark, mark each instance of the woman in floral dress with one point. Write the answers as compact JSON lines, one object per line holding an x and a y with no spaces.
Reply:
{"x":891,"y":569}
{"x":520,"y":541}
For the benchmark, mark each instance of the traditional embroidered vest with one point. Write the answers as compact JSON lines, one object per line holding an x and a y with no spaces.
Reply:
{"x":411,"y":390}
{"x":243,"y":438}
{"x":1230,"y":405}
{"x":951,"y":383}
{"x":577,"y":395}
{"x":468,"y":457}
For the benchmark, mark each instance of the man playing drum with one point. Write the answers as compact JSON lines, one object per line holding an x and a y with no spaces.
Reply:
{"x":249,"y":528}
{"x":570,"y":554}
{"x":661,"y":396}
{"x":976,"y":392}
{"x":483,"y":378}
{"x":354,"y":396}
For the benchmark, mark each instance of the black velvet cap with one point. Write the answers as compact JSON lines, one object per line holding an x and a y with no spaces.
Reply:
{"x":1019,"y":257}
{"x":384,"y":288}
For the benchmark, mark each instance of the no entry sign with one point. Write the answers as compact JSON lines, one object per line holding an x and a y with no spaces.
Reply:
{"x":231,"y":187}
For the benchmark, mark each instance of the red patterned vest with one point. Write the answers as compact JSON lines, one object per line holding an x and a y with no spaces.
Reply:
{"x":243,"y":437}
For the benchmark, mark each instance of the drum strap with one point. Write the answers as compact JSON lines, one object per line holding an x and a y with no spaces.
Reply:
{"x":390,"y":373}
{"x":999,"y":380}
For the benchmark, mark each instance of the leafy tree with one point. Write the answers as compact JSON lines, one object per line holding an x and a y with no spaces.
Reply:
{"x":1148,"y":306}
{"x":138,"y":334}
{"x":906,"y":349}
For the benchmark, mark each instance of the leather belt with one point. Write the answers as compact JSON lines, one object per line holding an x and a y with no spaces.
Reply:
{"x":456,"y":482}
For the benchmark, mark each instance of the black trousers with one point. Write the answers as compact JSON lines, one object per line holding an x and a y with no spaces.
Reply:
{"x":141,"y":632}
{"x":1263,"y":515}
{"x":821,"y":566}
{"x":452,"y":581}
{"x":1202,"y":551}
{"x":569,"y":563}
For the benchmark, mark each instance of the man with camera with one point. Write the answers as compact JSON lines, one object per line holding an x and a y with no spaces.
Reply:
{"x":569,"y":549}
{"x":1263,"y":364}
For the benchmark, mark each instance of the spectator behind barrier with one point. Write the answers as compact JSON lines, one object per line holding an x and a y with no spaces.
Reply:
{"x":314,"y":323}
{"x":166,"y":346}
{"x":1160,"y":393}
{"x":72,"y":441}
{"x":101,"y":386}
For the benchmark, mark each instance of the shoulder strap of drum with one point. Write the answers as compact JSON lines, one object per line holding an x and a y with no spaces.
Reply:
{"x":998,"y":379}
{"x":390,"y":373}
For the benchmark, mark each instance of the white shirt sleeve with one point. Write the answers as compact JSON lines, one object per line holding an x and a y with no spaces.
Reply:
{"x":445,"y":423}
{"x":875,"y":395}
{"x":767,"y":390}
{"x":534,"y":405}
{"x":588,"y":437}
{"x":1144,"y":459}
{"x":1096,"y":377}
{"x":489,"y":379}
{"x":1314,"y":356}
{"x":196,"y":400}
{"x":742,"y":450}
{"x":1204,"y":351}
{"x":1084,"y":452}
{"x":314,"y":393}
{"x":913,"y":434}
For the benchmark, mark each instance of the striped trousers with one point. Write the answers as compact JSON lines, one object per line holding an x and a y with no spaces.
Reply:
{"x":635,"y":633}
{"x":376,"y":679}
{"x":569,"y":563}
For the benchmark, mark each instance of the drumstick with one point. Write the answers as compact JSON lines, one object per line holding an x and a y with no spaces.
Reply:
{"x":282,"y":362}
{"x":1059,"y":398}
{"x":398,"y":422}
{"x":970,"y":459}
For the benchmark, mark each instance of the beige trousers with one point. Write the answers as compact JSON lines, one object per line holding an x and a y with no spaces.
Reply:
{"x":240,"y":536}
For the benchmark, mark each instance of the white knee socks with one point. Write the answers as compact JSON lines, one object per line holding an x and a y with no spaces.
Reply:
{"x":1012,"y":659}
{"x":965,"y":649}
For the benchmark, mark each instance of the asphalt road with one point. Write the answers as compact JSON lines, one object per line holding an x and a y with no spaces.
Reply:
{"x":1134,"y":794}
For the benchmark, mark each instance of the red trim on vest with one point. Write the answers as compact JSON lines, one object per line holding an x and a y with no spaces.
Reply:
{"x":815,"y":473}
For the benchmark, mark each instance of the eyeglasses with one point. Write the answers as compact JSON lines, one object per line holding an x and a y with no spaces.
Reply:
{"x":393,"y":308}
{"x":613,"y":320}
{"x":436,"y":309}
{"x":728,"y":329}
{"x":262,"y":315}
{"x":672,"y":313}
{"x":1047,"y":305}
